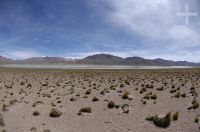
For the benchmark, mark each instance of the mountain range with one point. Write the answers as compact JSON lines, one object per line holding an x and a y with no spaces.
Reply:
{"x":100,"y":59}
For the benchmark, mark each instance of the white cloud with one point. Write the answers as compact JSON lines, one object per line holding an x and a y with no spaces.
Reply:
{"x":154,"y":20}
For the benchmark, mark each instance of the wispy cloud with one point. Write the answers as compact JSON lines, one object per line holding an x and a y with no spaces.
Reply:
{"x":20,"y":54}
{"x":154,"y":19}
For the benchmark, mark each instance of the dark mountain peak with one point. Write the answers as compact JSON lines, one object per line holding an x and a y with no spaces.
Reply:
{"x":103,"y":56}
{"x":101,"y":59}
{"x":134,"y":58}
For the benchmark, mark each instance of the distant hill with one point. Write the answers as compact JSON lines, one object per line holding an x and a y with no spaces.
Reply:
{"x":4,"y":60}
{"x":100,"y":59}
{"x":46,"y":60}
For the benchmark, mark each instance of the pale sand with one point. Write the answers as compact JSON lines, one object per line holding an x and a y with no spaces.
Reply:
{"x":51,"y":86}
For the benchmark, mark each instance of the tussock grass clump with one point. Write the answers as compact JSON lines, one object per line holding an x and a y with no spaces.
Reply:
{"x":86,"y":110}
{"x":125,"y":95}
{"x":112,"y":87}
{"x":36,"y":113}
{"x":4,"y":108}
{"x":122,"y":85}
{"x":173,"y":86}
{"x":55,"y":113}
{"x":183,"y":95}
{"x":88,"y":91}
{"x":2,"y":124}
{"x":196,"y":120}
{"x":177,"y":95}
{"x":22,"y":83}
{"x":47,"y":130}
{"x":172,"y":91}
{"x":73,"y":99}
{"x":143,"y":90}
{"x":154,"y":96}
{"x":37,"y":103}
{"x":95,"y":99}
{"x":160,"y":88}
{"x":111,"y":105}
{"x":127,"y":82}
{"x":175,"y":116}
{"x":162,"y":122}
{"x":195,"y":104}
{"x":146,"y":96}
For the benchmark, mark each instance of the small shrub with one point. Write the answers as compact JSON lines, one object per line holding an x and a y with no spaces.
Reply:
{"x":195,"y":104}
{"x":111,"y":105}
{"x":175,"y":116}
{"x":73,"y":99}
{"x":162,"y":122}
{"x":143,"y":90}
{"x":86,"y":110}
{"x":147,"y":96}
{"x":22,"y":83}
{"x":47,"y":130}
{"x":88,"y":91}
{"x":125,"y":95}
{"x":112,"y":87}
{"x":196,"y":120}
{"x":55,"y":113}
{"x":183,"y":95}
{"x":154,"y":97}
{"x":2,"y":124}
{"x":127,"y":82}
{"x":4,"y":108}
{"x":172,"y":91}
{"x":177,"y":95}
{"x":117,"y":106}
{"x":36,"y":113}
{"x":160,"y":88}
{"x":95,"y":99}
{"x":102,"y":92}
{"x":122,"y":85}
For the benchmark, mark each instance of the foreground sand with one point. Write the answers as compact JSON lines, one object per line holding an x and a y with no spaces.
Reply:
{"x":28,"y":96}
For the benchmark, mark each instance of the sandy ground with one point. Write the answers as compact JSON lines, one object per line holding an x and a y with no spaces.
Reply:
{"x":24,"y":91}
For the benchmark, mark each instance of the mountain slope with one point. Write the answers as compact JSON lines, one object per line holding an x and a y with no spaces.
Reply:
{"x":4,"y":60}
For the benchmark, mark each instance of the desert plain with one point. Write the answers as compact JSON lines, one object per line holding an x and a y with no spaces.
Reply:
{"x":50,"y":100}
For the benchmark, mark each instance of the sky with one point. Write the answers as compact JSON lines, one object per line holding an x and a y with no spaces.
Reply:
{"x":78,"y":28}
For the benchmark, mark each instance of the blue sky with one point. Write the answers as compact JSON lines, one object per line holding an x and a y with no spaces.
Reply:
{"x":77,"y":28}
